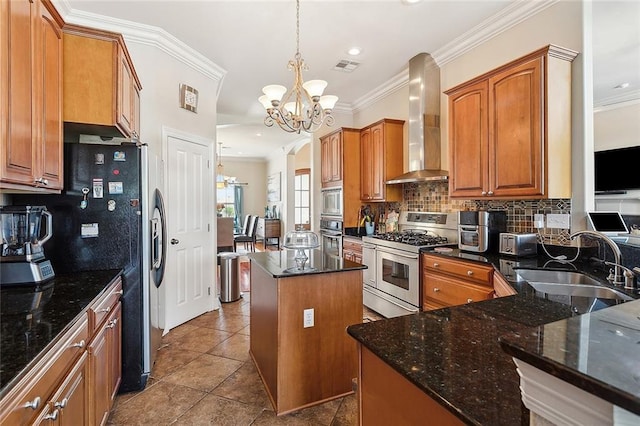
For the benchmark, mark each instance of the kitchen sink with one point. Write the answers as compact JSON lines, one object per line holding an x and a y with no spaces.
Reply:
{"x":569,"y":283}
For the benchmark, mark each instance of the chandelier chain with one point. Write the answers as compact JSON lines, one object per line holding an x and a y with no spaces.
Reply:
{"x":297,"y":28}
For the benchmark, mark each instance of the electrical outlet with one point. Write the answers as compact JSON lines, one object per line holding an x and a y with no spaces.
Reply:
{"x":308,"y":318}
{"x":561,"y":221}
{"x":538,"y":221}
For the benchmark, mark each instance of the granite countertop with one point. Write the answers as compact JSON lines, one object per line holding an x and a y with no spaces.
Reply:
{"x":33,"y":316}
{"x":454,"y":354}
{"x":598,"y":352}
{"x":281,"y":264}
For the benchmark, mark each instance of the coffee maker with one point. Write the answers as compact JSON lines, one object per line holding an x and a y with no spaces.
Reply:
{"x":22,"y":260}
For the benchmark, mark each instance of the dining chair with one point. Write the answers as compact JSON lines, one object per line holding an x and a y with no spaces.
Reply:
{"x":248,"y":239}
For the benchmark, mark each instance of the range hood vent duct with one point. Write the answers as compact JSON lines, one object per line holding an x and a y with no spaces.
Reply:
{"x":424,"y":122}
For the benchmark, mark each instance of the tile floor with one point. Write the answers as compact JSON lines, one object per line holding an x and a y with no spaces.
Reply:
{"x":203,"y":375}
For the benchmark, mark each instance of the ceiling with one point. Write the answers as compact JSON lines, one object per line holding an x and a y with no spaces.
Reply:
{"x":254,"y":40}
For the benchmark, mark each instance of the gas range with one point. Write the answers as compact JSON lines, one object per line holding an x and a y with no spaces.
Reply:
{"x":418,"y":230}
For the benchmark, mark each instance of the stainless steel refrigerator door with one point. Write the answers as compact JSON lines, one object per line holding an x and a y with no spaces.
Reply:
{"x":154,"y":253}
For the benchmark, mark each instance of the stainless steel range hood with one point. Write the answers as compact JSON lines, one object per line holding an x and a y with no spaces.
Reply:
{"x":424,"y":122}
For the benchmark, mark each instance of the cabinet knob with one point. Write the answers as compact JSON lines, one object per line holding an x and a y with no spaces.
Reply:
{"x":53,"y":416}
{"x":490,"y":193}
{"x":41,"y":181}
{"x":469,"y":273}
{"x":469,"y":300}
{"x":112,"y":323}
{"x":119,"y":292}
{"x":436,"y":289}
{"x":61,"y":404}
{"x":484,"y":193}
{"x":105,"y":310}
{"x":174,"y":241}
{"x":436,"y":265}
{"x":80,"y":344}
{"x":33,"y":404}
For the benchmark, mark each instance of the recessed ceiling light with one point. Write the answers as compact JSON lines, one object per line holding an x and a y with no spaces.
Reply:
{"x":258,"y":134}
{"x":354,"y":51}
{"x":622,"y":86}
{"x":411,"y":1}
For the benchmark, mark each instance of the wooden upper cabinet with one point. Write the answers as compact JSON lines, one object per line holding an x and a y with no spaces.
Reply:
{"x":340,"y":167}
{"x":31,"y":78}
{"x":331,"y":159}
{"x":381,"y":147}
{"x":101,"y":87}
{"x":510,"y":130}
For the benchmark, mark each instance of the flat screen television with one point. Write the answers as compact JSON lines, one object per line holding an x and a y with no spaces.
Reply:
{"x":616,"y":170}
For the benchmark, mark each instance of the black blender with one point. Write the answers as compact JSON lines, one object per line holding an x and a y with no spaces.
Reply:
{"x":22,"y":260}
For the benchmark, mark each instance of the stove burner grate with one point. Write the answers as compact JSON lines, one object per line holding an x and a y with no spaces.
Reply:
{"x":413,"y":238}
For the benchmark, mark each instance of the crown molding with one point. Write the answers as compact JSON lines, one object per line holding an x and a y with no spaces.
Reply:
{"x":616,"y":102}
{"x":394,"y":83}
{"x":502,"y":21}
{"x":505,"y":19}
{"x":146,"y":35}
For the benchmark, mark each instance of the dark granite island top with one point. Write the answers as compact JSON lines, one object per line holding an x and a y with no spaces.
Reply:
{"x":281,"y":264}
{"x":598,"y":352}
{"x":33,"y":316}
{"x":454,"y":354}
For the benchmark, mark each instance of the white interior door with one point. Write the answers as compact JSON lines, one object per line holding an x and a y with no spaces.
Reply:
{"x":191,"y":262}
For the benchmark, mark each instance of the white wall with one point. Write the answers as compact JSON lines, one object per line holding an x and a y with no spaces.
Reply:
{"x":617,"y":127}
{"x":160,"y":76}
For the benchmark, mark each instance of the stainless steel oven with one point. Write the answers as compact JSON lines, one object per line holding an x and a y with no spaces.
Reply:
{"x":332,"y":202}
{"x":398,"y":275}
{"x":391,"y":285}
{"x":331,"y":237}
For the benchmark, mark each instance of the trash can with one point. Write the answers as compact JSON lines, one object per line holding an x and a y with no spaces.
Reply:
{"x":229,"y":277}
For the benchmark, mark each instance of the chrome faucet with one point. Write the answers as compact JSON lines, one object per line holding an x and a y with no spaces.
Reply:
{"x":629,"y":274}
{"x":615,"y":275}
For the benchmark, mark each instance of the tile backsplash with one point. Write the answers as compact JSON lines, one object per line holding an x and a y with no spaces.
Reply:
{"x":434,"y":197}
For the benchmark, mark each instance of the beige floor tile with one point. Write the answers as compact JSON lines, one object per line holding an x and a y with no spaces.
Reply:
{"x":236,"y":308}
{"x":246,"y":331}
{"x":347,"y":414}
{"x":235,"y":347}
{"x":178,"y":332}
{"x":170,"y":358}
{"x":202,"y":339}
{"x":245,"y":386}
{"x":160,"y":404}
{"x":204,"y":373}
{"x":318,"y":415}
{"x":214,"y":410}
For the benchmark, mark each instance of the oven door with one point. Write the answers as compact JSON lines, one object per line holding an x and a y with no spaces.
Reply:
{"x":397,"y":274}
{"x":331,"y":243}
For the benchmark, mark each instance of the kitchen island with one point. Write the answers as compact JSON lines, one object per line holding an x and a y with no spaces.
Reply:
{"x":298,"y":321}
{"x":450,"y":360}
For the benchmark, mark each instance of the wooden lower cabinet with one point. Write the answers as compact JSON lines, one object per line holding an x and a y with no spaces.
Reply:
{"x":352,"y":249}
{"x":304,"y":366}
{"x":451,"y":282}
{"x":105,"y":362}
{"x":386,"y":398}
{"x":76,"y":381}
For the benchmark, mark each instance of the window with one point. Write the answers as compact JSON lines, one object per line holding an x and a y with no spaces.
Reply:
{"x":302,"y":207}
{"x":225,"y":198}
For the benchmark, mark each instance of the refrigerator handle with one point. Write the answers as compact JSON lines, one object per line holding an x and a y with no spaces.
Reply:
{"x":159,"y":240}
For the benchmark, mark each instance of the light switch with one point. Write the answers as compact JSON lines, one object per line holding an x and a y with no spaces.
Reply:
{"x":308,"y":318}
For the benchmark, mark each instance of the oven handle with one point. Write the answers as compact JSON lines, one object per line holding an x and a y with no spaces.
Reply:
{"x":335,"y":234}
{"x":400,"y":253}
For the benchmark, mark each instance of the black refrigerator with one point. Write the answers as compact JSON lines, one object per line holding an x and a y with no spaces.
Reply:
{"x":110,"y":215}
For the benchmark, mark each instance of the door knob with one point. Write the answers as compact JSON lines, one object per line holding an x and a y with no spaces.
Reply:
{"x":174,"y":241}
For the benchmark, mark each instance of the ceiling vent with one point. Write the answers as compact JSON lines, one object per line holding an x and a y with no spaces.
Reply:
{"x":346,"y":66}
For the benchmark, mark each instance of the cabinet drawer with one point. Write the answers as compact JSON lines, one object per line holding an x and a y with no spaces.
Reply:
{"x":100,"y":310}
{"x":28,"y":398}
{"x":447,"y":291}
{"x":352,"y":246}
{"x":465,"y":270}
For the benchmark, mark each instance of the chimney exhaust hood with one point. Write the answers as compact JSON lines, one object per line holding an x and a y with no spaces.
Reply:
{"x":424,"y":122}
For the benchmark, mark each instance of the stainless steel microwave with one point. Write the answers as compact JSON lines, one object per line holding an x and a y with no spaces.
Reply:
{"x":332,"y":202}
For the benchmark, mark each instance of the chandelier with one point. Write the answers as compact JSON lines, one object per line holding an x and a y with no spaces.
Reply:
{"x":221,"y":181}
{"x":303,"y":107}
